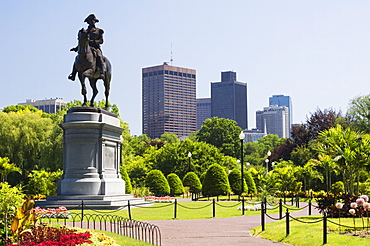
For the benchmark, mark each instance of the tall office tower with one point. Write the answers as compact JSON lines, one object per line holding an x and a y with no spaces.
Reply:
{"x":203,"y":110}
{"x":229,"y":99}
{"x":46,"y":105}
{"x":168,"y":100}
{"x":286,"y":101}
{"x":274,"y":120}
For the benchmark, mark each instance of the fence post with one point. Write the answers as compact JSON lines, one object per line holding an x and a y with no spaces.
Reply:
{"x":287,"y":222}
{"x":243,"y":205}
{"x":175,"y":210}
{"x":297,"y":201}
{"x":82,"y":210}
{"x":214,"y":208}
{"x":280,"y":209}
{"x":262,"y":216}
{"x":292,"y":200}
{"x":325,"y":233}
{"x":129,"y":209}
{"x":309,"y":207}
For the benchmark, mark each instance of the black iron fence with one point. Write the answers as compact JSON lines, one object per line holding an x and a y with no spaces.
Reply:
{"x":112,"y":223}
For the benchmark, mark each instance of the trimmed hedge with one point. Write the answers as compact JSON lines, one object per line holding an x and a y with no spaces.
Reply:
{"x":176,"y":187}
{"x":157,"y":183}
{"x":192,"y":181}
{"x":126,"y":178}
{"x":215,"y":181}
{"x":250,"y":183}
{"x":235,"y":180}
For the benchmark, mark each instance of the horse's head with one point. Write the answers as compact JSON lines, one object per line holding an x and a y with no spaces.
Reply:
{"x":82,"y":34}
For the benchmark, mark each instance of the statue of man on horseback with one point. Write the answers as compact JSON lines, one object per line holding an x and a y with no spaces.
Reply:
{"x":90,"y":62}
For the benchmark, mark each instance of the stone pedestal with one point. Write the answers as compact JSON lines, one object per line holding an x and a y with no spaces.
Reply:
{"x":92,"y":153}
{"x":91,"y":161}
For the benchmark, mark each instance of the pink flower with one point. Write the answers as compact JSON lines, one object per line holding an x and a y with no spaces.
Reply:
{"x":366,"y":206}
{"x":353,"y":205}
{"x":360,"y":201}
{"x":365,"y":197}
{"x":352,"y":211}
{"x":339,"y":205}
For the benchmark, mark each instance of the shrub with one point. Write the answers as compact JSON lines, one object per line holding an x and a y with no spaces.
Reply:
{"x":126,"y":178}
{"x":250,"y":183}
{"x":215,"y":181}
{"x":176,"y":187}
{"x":192,"y":181}
{"x":337,"y":188}
{"x":157,"y":183}
{"x":235,"y":180}
{"x":43,"y":182}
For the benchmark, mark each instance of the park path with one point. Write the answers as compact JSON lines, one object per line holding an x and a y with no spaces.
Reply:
{"x":217,"y":231}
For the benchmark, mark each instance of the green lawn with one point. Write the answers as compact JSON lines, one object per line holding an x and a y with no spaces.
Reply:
{"x":310,"y":234}
{"x":185,"y":211}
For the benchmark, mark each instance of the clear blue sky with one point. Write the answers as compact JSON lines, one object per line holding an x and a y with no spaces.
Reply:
{"x":317,"y":52}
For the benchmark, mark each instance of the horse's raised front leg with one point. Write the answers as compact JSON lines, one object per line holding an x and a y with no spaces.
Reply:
{"x":83,"y":88}
{"x":94,"y":90}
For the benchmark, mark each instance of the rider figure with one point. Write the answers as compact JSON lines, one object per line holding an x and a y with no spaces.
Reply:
{"x":95,"y":40}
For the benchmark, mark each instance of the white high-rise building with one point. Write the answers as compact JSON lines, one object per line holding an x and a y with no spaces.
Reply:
{"x":274,"y":120}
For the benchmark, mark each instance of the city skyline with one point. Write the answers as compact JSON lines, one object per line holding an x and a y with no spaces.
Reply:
{"x":318,"y":52}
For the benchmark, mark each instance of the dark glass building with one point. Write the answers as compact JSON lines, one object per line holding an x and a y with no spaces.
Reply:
{"x":168,"y":100}
{"x":229,"y":99}
{"x":203,"y":111}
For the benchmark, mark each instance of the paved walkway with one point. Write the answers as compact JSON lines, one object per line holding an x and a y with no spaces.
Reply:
{"x":212,"y":232}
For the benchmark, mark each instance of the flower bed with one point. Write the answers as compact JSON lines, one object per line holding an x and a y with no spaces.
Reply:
{"x":159,"y":199}
{"x":255,"y":207}
{"x":57,"y":213}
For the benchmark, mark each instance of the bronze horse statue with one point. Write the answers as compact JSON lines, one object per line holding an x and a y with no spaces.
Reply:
{"x":85,"y":66}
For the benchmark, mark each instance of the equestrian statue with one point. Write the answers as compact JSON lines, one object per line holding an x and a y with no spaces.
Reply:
{"x":90,"y":62}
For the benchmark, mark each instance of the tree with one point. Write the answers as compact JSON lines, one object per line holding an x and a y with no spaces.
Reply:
{"x":283,"y":151}
{"x":98,"y":104}
{"x":349,"y":150}
{"x":215,"y":181}
{"x":301,"y":134}
{"x":173,"y":157}
{"x":170,"y":138}
{"x":192,"y":181}
{"x":157,"y":183}
{"x":221,"y":133}
{"x":321,"y":120}
{"x":6,"y":167}
{"x":235,"y":182}
{"x":176,"y":187}
{"x":30,"y":141}
{"x":358,"y":113}
{"x":137,"y":171}
{"x":43,"y":183}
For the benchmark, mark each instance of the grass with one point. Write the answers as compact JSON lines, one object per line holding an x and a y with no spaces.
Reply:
{"x":310,"y":234}
{"x":122,"y":240}
{"x":185,"y":211}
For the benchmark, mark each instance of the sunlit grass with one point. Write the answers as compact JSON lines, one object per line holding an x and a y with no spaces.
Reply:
{"x":310,"y":234}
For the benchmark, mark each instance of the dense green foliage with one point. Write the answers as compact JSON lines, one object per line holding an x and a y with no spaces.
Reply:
{"x":215,"y":181}
{"x":235,"y":182}
{"x":126,"y":178}
{"x":221,"y":133}
{"x":43,"y":183}
{"x":157,"y":183}
{"x":250,"y":183}
{"x":192,"y":181}
{"x":176,"y":186}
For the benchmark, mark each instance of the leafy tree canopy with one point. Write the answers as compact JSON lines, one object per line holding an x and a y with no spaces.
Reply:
{"x":221,"y":133}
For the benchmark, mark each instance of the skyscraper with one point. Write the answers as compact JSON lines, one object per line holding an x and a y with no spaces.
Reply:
{"x":281,"y":100}
{"x":168,"y":100}
{"x":229,"y":99}
{"x":203,"y":110}
{"x":49,"y":106}
{"x":274,"y":119}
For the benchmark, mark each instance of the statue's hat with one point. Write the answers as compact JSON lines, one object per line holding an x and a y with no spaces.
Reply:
{"x":91,"y":17}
